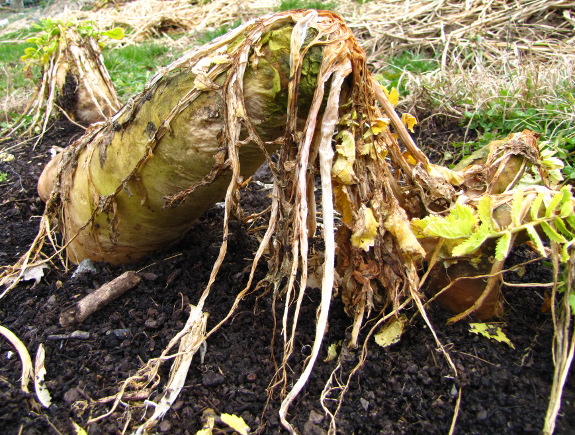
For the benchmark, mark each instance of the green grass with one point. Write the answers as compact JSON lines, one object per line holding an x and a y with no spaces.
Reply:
{"x":210,"y":35}
{"x":287,"y":5}
{"x":489,"y":101}
{"x":14,"y":85}
{"x":132,"y":66}
{"x":398,"y":66}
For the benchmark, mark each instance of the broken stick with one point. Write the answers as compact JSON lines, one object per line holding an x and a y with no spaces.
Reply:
{"x":99,"y":298}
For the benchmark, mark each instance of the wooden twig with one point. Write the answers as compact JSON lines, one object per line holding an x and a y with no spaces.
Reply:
{"x":99,"y":298}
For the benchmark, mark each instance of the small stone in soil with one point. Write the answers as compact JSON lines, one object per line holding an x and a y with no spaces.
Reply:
{"x":212,"y":379}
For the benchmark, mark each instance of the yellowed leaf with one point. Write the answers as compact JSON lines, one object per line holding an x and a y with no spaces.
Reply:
{"x":236,"y":423}
{"x":392,"y":96}
{"x":380,"y":124}
{"x":409,"y":121}
{"x":365,"y":229}
{"x":342,"y":170}
{"x":490,"y":331}
{"x":343,"y":203}
{"x":390,"y":333}
{"x":79,"y":430}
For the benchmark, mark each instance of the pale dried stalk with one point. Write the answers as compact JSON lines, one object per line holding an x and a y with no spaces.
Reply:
{"x":563,"y":340}
{"x":340,"y":71}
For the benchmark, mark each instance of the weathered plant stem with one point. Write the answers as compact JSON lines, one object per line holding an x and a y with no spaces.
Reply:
{"x":99,"y":298}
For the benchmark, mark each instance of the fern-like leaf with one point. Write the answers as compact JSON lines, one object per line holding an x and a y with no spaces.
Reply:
{"x":536,"y":240}
{"x":502,"y":246}
{"x":472,"y":243}
{"x":536,"y":206}
{"x":516,"y":207}
{"x":553,"y":235}
{"x":484,"y":213}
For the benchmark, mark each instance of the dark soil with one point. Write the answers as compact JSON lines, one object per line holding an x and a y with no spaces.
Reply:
{"x":406,"y":388}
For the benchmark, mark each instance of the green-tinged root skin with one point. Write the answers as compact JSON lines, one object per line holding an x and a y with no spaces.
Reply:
{"x":116,"y":179}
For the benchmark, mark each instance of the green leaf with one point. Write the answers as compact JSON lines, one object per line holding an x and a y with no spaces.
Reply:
{"x":560,"y":225}
{"x":553,"y":204}
{"x":472,"y":243}
{"x":502,"y":246}
{"x":553,"y":235}
{"x":332,"y":351}
{"x":516,"y":207}
{"x":490,"y":331}
{"x":116,"y":33}
{"x":536,"y":240}
{"x":536,"y":206}
{"x":571,"y":221}
{"x":460,"y":222}
{"x":484,"y":212}
{"x":236,"y":423}
{"x":572,"y":303}
{"x":567,"y":202}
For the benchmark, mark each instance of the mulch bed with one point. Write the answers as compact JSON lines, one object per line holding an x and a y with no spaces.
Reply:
{"x":406,"y":388}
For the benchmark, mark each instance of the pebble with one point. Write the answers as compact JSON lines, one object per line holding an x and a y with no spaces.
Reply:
{"x":252,"y":377}
{"x":212,"y":379}
{"x":71,"y":395}
{"x":364,"y":403}
{"x":165,"y":426}
{"x":85,"y":266}
{"x":121,"y":333}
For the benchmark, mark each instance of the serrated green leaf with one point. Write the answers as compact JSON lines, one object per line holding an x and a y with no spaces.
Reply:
{"x":484,"y":212}
{"x":536,"y":206}
{"x":567,"y":203}
{"x":490,"y":331}
{"x":472,"y":243}
{"x":571,"y":221}
{"x":536,"y":240}
{"x":502,"y":246}
{"x":560,"y":225}
{"x":236,"y":423}
{"x":516,"y":207}
{"x":553,"y":235}
{"x":460,"y":222}
{"x":555,"y":200}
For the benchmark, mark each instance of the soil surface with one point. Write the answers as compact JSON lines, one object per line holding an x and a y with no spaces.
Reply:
{"x":405,"y":388}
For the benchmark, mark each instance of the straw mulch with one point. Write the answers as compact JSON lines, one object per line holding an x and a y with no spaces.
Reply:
{"x":458,"y":30}
{"x":542,"y":28}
